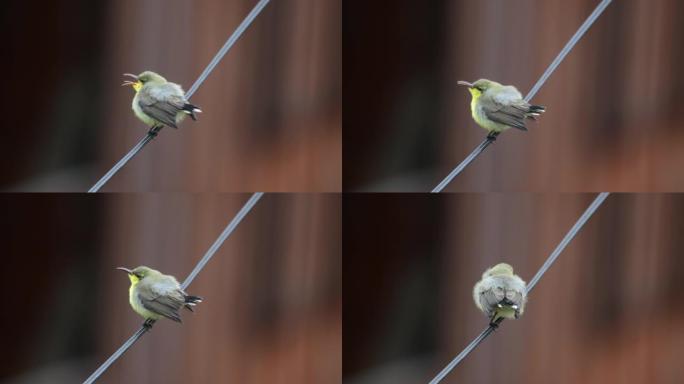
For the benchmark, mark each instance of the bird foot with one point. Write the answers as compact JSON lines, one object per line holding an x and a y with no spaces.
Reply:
{"x":492,"y":136}
{"x":154,"y":131}
{"x":148,"y":323}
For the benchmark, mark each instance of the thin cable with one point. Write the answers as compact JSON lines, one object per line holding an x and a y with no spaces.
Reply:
{"x":549,"y":260}
{"x":561,"y":246}
{"x":148,"y":137}
{"x":568,"y":47}
{"x":100,"y":370}
{"x":210,"y":67}
{"x":463,"y":164}
{"x":226,"y":47}
{"x":224,"y":235}
{"x":207,"y":256}
{"x":551,"y":68}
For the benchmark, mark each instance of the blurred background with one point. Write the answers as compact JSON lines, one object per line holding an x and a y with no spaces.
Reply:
{"x":272,"y":107}
{"x":606,"y":312}
{"x":272,"y":292}
{"x":613,"y":118}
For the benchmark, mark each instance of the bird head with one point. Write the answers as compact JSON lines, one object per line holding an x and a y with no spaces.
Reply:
{"x":138,"y":273}
{"x":501,"y":269}
{"x":479,"y":87}
{"x":143,"y":78}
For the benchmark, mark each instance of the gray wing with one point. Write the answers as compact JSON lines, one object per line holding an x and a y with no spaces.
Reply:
{"x":162,"y":103}
{"x":489,"y":298}
{"x":507,"y":107}
{"x":514,"y":297}
{"x":165,"y":304}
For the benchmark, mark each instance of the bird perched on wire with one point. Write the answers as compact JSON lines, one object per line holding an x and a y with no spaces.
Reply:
{"x":158,"y":102}
{"x":500,"y":294}
{"x":154,"y":295}
{"x":497,"y":107}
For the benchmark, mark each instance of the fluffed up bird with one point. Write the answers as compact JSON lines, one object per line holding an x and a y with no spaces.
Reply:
{"x":497,"y":107}
{"x":500,"y":294}
{"x":158,"y":102}
{"x":154,"y":295}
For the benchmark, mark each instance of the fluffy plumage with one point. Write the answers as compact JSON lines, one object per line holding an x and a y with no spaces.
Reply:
{"x":158,"y":102}
{"x":154,"y":295}
{"x":500,"y":293}
{"x":497,"y":107}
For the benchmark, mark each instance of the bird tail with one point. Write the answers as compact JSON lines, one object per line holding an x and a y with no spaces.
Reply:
{"x":191,"y":110}
{"x":191,"y":301}
{"x":535,"y":110}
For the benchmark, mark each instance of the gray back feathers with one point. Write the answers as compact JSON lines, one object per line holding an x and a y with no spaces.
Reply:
{"x":494,"y":292}
{"x":163,"y":296}
{"x":505,"y":105}
{"x":162,"y":102}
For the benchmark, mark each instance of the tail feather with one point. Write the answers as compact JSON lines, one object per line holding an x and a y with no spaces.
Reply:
{"x":191,"y":301}
{"x":533,"y":111}
{"x":191,"y":110}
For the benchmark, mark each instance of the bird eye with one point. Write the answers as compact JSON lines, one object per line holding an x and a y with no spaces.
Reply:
{"x":481,"y":89}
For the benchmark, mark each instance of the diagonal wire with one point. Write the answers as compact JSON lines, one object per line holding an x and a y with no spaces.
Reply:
{"x":549,"y":260}
{"x":552,"y":67}
{"x":207,"y":256}
{"x":152,"y":133}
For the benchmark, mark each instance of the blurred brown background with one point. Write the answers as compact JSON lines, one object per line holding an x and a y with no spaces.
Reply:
{"x":613,"y":120}
{"x":272,"y":107}
{"x":606,"y":312}
{"x":272,"y":308}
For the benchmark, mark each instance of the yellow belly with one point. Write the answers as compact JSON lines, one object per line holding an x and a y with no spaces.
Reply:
{"x":137,"y":305}
{"x":140,"y":114}
{"x":483,"y":121}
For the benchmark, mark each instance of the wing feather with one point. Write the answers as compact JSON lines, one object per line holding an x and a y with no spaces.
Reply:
{"x":162,"y":103}
{"x":163,"y":302}
{"x":489,"y":298}
{"x":507,"y":107}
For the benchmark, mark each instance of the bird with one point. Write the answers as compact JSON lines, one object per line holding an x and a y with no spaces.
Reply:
{"x":500,"y":294}
{"x":497,"y":107}
{"x":158,"y":102}
{"x":154,"y":295}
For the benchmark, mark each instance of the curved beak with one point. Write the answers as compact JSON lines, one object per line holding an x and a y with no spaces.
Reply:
{"x":465,"y":83}
{"x":125,"y":270}
{"x":128,"y":82}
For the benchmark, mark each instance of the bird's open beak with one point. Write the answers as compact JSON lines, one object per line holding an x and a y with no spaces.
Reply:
{"x":128,"y":82}
{"x":465,"y":83}
{"x":125,"y":270}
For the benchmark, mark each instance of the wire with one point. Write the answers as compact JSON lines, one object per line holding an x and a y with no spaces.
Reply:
{"x":207,"y":256}
{"x":488,"y":140}
{"x":222,"y":237}
{"x":552,"y":67}
{"x":549,"y":260}
{"x":226,"y":47}
{"x":210,"y":67}
{"x":148,"y":137}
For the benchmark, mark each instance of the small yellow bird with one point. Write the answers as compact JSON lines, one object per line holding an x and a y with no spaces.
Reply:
{"x":500,"y":294}
{"x":154,"y":295}
{"x":497,"y":107}
{"x":158,"y":102}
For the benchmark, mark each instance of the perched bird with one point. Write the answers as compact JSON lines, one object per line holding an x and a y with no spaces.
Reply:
{"x":158,"y":102}
{"x":497,"y":107}
{"x":154,"y":295}
{"x":500,"y":293}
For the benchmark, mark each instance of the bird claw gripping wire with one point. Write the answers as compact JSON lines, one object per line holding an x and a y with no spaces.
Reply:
{"x":154,"y":131}
{"x":492,"y":136}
